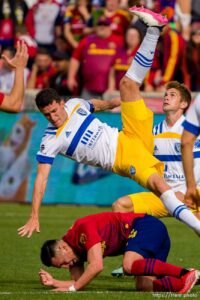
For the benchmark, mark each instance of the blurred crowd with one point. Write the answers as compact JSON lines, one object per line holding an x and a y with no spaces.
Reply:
{"x":83,"y":48}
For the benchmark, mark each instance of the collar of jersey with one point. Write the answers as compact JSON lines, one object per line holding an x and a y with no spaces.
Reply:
{"x":61,"y":127}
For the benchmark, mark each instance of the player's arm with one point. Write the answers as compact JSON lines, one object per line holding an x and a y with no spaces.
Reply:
{"x":38,"y":193}
{"x":93,"y":268}
{"x":101,"y":105}
{"x":187,"y":145}
{"x":13,"y":101}
{"x":48,"y":280}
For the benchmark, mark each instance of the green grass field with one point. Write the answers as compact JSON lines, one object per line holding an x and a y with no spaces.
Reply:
{"x":20,"y":261}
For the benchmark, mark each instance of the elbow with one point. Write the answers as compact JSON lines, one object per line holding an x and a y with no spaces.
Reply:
{"x":98,"y":268}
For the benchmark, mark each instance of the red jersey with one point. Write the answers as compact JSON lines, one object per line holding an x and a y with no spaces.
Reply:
{"x":43,"y":78}
{"x":108,"y":228}
{"x":1,"y":97}
{"x":76,"y":20}
{"x":96,"y":55}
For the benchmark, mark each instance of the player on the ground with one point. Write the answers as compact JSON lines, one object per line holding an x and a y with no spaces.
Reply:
{"x":13,"y":101}
{"x":167,"y":148}
{"x":74,"y":132}
{"x":143,"y":240}
{"x":191,"y":131}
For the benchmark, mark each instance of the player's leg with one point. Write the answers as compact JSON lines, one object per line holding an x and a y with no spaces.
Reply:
{"x":144,"y":202}
{"x":129,"y":85}
{"x":175,"y":207}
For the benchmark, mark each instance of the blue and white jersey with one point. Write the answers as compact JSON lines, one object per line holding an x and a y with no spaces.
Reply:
{"x":167,"y":148}
{"x":192,"y":122}
{"x":82,"y":137}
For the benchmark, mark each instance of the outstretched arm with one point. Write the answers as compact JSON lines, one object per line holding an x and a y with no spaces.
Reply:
{"x":13,"y":102}
{"x":187,"y":145}
{"x":38,"y":193}
{"x":101,"y":105}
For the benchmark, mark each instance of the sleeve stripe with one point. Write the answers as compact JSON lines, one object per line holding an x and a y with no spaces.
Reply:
{"x":44,"y":159}
{"x":191,"y":128}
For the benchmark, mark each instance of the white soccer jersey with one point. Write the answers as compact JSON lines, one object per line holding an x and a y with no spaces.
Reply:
{"x":167,"y":148}
{"x":192,"y":122}
{"x":82,"y":137}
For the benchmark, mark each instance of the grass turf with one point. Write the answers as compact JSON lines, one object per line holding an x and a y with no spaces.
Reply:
{"x":20,"y":260}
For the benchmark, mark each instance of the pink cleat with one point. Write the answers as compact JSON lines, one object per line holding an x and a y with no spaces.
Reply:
{"x":189,"y":280}
{"x":149,"y":17}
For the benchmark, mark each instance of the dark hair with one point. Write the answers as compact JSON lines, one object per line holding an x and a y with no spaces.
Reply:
{"x":184,"y":91}
{"x":46,"y":97}
{"x":47,"y":252}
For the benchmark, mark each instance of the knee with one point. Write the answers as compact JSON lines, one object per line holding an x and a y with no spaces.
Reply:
{"x":123,"y":204}
{"x":127,"y":266}
{"x":127,"y":84}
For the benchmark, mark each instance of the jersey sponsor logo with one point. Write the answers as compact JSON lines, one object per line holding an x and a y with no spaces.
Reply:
{"x":81,"y":112}
{"x":177,"y":147}
{"x":67,"y":133}
{"x":132,"y":170}
{"x":83,"y":238}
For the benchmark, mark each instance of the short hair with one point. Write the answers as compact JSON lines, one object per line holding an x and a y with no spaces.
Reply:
{"x":184,"y":91}
{"x":46,"y":97}
{"x":48,"y":251}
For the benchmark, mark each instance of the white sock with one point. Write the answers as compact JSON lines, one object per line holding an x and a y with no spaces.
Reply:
{"x":144,"y":57}
{"x":179,"y":210}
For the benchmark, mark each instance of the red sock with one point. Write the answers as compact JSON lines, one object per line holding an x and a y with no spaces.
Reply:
{"x":167,"y":284}
{"x":150,"y":266}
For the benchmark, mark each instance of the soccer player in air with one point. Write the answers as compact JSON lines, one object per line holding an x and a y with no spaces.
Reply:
{"x":191,"y":131}
{"x":142,"y":239}
{"x":13,"y":101}
{"x":75,"y":133}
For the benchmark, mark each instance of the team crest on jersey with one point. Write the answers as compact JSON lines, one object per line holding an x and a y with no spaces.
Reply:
{"x":83,"y":238}
{"x":155,"y":148}
{"x":67,"y":133}
{"x":177,"y":147}
{"x":82,"y":112}
{"x":132,"y":170}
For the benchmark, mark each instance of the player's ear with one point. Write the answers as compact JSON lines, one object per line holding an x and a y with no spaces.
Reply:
{"x":184,"y":105}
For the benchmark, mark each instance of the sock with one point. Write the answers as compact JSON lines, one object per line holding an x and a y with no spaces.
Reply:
{"x":144,"y":57}
{"x":180,"y":211}
{"x":155,"y":267}
{"x":167,"y":284}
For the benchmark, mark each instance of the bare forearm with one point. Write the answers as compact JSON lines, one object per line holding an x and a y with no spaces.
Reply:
{"x":90,"y":273}
{"x":62,"y":284}
{"x":101,"y":105}
{"x":188,"y":164}
{"x":38,"y":193}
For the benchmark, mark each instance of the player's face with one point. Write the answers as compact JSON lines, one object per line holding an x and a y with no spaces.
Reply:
{"x":65,"y":257}
{"x":55,"y":113}
{"x":172,"y":100}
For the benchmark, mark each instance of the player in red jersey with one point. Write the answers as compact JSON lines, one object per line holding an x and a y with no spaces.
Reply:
{"x":142,"y":239}
{"x":13,"y":101}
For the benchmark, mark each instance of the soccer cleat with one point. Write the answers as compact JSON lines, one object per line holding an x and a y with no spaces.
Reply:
{"x":149,"y":17}
{"x":189,"y":280}
{"x":117,"y":272}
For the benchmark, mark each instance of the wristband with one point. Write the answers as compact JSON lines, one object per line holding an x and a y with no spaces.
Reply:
{"x":72,"y":288}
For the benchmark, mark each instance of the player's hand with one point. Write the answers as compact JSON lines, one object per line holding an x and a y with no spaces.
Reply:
{"x":21,"y":56}
{"x":31,"y":226}
{"x":192,"y":198}
{"x":46,"y":278}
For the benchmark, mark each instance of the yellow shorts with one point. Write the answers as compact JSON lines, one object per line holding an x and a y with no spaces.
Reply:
{"x":134,"y":157}
{"x":147,"y":202}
